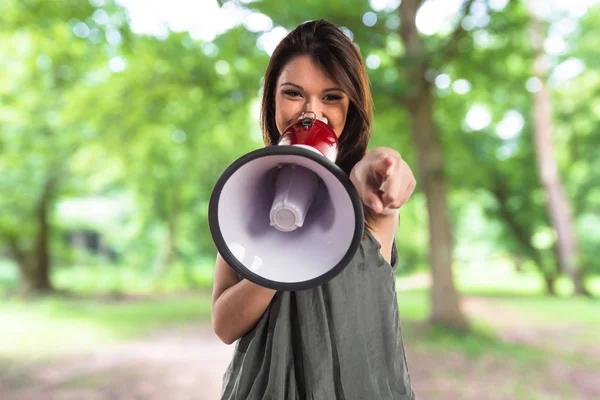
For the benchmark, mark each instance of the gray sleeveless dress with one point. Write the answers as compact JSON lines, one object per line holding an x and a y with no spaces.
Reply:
{"x":339,"y":341}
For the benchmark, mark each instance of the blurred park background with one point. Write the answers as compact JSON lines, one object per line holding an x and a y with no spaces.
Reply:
{"x":116,"y":119}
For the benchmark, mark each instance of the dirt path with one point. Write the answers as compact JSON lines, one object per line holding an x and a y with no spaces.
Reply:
{"x":178,"y":364}
{"x":514,"y":327}
{"x":189,"y":362}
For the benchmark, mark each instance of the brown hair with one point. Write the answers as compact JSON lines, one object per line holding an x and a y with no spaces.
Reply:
{"x":335,"y":53}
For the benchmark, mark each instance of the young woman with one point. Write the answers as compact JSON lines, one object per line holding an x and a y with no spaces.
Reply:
{"x":341,"y":340}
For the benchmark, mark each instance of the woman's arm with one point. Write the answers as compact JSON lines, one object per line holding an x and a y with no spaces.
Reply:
{"x":383,"y":229}
{"x":384,"y":182}
{"x":236,"y":305}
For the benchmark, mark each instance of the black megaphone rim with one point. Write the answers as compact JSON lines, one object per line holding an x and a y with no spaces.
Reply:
{"x":215,"y":230}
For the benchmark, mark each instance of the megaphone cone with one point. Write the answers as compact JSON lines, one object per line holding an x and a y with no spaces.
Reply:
{"x":287,"y":217}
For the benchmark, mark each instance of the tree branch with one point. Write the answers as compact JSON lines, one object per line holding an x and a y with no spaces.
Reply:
{"x":450,"y":50}
{"x":416,"y":61}
{"x":408,"y":27}
{"x":520,"y":232}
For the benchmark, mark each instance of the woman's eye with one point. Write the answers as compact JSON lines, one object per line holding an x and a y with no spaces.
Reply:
{"x":333,"y":97}
{"x":291,"y":93}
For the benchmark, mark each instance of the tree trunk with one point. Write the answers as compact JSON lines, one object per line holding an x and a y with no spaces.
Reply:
{"x":556,"y":200}
{"x":34,"y":266}
{"x":523,"y":236}
{"x":549,"y":281}
{"x":164,"y":263}
{"x":172,"y":229}
{"x":41,"y":277}
{"x":445,"y":302}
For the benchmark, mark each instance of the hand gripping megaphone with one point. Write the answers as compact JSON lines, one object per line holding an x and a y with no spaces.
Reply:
{"x":286,"y":216}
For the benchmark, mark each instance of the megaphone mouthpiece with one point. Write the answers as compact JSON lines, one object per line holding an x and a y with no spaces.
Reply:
{"x":295,"y":189}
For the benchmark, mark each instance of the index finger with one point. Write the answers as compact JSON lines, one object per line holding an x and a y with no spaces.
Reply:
{"x":384,"y":166}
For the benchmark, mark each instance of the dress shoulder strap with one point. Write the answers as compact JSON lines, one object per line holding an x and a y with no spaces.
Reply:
{"x":377,"y":245}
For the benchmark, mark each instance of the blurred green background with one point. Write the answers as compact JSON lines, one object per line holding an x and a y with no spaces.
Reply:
{"x":117,"y":118}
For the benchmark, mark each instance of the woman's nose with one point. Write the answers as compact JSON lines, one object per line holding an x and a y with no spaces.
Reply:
{"x":314,"y":106}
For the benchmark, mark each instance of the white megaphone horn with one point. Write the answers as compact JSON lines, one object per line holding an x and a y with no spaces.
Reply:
{"x":286,"y":216}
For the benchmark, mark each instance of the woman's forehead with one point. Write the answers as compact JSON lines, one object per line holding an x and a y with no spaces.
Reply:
{"x":305,"y":69}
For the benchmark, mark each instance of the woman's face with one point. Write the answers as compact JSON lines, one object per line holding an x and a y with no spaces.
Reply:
{"x":303,"y":86}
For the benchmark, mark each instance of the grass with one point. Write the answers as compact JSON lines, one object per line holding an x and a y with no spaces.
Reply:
{"x":111,"y":279}
{"x":479,"y":360}
{"x":413,"y":304}
{"x":494,"y":278}
{"x":53,"y":326}
{"x":498,"y":277}
{"x":550,"y":310}
{"x":540,"y":311}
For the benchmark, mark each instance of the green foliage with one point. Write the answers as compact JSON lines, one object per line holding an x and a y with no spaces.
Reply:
{"x":177,"y":140}
{"x":91,"y":110}
{"x":48,"y":59}
{"x":117,"y":114}
{"x":496,"y":175}
{"x":578,"y":127}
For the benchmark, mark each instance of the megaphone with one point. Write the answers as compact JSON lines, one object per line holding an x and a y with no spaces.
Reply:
{"x":286,"y":216}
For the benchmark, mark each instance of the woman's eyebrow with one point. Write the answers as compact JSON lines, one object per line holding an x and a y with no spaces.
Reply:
{"x":292,"y":84}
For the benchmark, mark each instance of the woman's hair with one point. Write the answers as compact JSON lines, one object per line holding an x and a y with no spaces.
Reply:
{"x":335,"y":53}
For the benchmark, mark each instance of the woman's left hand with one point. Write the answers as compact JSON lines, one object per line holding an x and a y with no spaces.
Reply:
{"x":384,"y":181}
